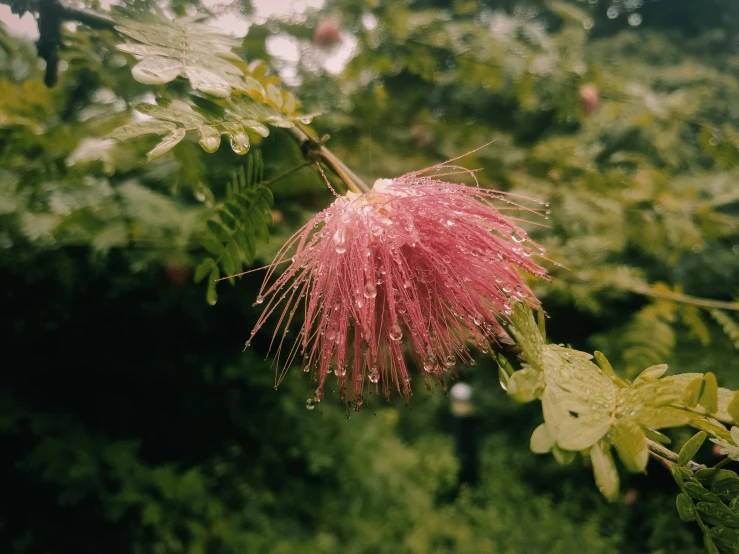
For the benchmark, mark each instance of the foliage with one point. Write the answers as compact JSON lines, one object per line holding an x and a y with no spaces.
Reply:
{"x":190,"y":450}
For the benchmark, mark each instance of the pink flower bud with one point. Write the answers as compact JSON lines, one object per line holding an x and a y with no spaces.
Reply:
{"x":326,"y":33}
{"x":590,"y":98}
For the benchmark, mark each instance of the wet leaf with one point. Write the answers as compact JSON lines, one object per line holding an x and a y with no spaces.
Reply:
{"x":631,"y":445}
{"x":733,"y":407}
{"x":699,"y":493}
{"x":690,"y":448}
{"x":167,"y":143}
{"x":709,"y":396}
{"x":140,"y":129}
{"x":579,"y":434}
{"x":525,"y":384}
{"x":717,"y":514}
{"x":541,"y":441}
{"x":651,"y":373}
{"x":203,"y":269}
{"x":685,"y":507}
{"x":606,"y":475}
{"x":693,"y":392}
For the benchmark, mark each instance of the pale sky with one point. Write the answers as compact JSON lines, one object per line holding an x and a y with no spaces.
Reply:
{"x":284,"y":47}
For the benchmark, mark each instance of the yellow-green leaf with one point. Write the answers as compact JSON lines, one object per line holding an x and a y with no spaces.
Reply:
{"x":733,"y":407}
{"x":709,"y":397}
{"x":631,"y":444}
{"x":606,"y":476}
{"x":693,"y":392}
{"x":580,"y":433}
{"x":690,"y":448}
{"x":541,"y":441}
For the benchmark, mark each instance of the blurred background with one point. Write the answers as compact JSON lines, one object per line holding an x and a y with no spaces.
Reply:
{"x":130,"y":419}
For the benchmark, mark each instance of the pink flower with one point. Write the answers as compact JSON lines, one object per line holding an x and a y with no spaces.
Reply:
{"x":417,"y":265}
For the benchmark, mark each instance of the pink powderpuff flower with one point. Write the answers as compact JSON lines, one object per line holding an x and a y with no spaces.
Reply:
{"x":416,"y":264}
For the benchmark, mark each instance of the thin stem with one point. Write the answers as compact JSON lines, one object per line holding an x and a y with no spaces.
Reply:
{"x":658,"y":451}
{"x":684,"y":298}
{"x":286,"y":174}
{"x":722,"y":463}
{"x":312,"y":148}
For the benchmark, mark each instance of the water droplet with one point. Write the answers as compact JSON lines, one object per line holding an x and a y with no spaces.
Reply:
{"x":395,"y":333}
{"x":519,"y":235}
{"x":260,"y":299}
{"x":406,"y":284}
{"x":370,"y":290}
{"x":340,"y":241}
{"x":450,"y":361}
{"x":306,"y":369}
{"x":247,"y":344}
{"x":210,"y":143}
{"x":476,"y":252}
{"x":634,"y":19}
{"x":612,"y":12}
{"x":340,"y":370}
{"x":374,"y":375}
{"x":477,"y":318}
{"x":430,"y":365}
{"x":310,"y":404}
{"x":240,"y":143}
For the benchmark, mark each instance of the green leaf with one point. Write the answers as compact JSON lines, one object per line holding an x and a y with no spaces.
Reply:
{"x":727,"y":539}
{"x":541,"y":441}
{"x":228,"y":262}
{"x":179,"y":112}
{"x":212,"y":244}
{"x":247,"y":244}
{"x":710,"y":546}
{"x":169,"y":142}
{"x":211,"y":296}
{"x":525,"y":384}
{"x":233,"y":252}
{"x":690,"y":448}
{"x":699,"y":493}
{"x":685,"y":507}
{"x":709,"y":396}
{"x":581,"y":433}
{"x":607,"y":369}
{"x":606,"y":476}
{"x":178,"y":48}
{"x":140,"y":129}
{"x":205,"y":267}
{"x":733,"y":407}
{"x":693,"y":392}
{"x":717,"y":514}
{"x":726,"y":489}
{"x":631,"y":444}
{"x":651,"y":373}
{"x":526,"y":332}
{"x":710,"y":475}
{"x":219,"y":230}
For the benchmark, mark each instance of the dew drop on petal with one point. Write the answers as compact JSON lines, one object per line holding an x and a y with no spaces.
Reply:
{"x":396,"y":333}
{"x":370,"y":290}
{"x":260,"y":299}
{"x":374,"y":375}
{"x":450,"y":361}
{"x":310,"y":404}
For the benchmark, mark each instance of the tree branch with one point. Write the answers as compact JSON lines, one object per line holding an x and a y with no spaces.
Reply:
{"x":656,"y":450}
